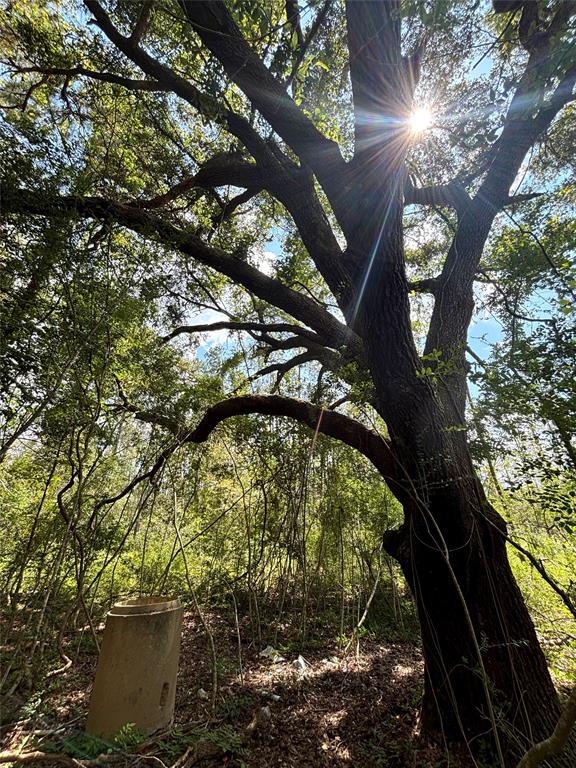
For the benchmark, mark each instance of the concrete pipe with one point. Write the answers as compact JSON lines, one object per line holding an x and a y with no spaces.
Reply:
{"x":136,"y":674}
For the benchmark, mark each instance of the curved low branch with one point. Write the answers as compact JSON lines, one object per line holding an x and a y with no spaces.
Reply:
{"x":331,"y":423}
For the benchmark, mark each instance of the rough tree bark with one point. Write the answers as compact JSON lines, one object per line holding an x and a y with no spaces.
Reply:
{"x":487,"y":682}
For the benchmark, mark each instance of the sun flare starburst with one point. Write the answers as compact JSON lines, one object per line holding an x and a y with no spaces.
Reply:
{"x":420,"y":120}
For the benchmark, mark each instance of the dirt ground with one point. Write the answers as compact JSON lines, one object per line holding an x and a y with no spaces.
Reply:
{"x":330,"y":708}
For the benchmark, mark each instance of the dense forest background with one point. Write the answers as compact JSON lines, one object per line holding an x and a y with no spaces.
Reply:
{"x":115,"y":344}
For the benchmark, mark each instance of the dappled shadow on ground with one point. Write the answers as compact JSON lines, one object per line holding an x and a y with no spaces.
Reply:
{"x":357,"y":709}
{"x":340,"y":712}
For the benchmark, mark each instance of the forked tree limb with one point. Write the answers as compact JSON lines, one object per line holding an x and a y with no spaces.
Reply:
{"x":527,"y":118}
{"x":218,"y":31}
{"x":298,"y":341}
{"x":524,"y":123}
{"x":522,"y":198}
{"x":221,"y":170}
{"x":329,"y":359}
{"x":229,"y":207}
{"x":281,"y":177}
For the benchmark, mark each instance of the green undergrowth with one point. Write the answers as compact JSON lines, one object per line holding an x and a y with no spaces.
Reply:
{"x":130,"y":740}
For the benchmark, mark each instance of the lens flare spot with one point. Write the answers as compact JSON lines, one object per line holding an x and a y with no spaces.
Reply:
{"x":420,"y":120}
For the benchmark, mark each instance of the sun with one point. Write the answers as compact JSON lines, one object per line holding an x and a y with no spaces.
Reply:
{"x":420,"y":120}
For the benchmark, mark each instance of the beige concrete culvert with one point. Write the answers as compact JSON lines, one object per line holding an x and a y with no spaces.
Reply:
{"x":136,"y":675}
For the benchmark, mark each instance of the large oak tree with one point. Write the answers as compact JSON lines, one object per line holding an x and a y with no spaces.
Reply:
{"x":309,"y":107}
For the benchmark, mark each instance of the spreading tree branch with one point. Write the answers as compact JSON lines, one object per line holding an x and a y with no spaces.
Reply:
{"x":206,"y":105}
{"x":218,"y":31}
{"x":314,"y":345}
{"x":153,"y":227}
{"x":525,"y":122}
{"x":68,"y":73}
{"x":282,"y":177}
{"x":452,"y":195}
{"x":528,"y":115}
{"x":244,"y":326}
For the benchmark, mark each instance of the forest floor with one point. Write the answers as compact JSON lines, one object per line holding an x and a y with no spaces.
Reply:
{"x":328,"y":708}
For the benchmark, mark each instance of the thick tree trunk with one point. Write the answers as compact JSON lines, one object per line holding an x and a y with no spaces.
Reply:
{"x":485,"y":670}
{"x":483,"y":660}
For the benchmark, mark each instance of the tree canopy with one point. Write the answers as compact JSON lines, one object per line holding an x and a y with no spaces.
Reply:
{"x":336,"y":191}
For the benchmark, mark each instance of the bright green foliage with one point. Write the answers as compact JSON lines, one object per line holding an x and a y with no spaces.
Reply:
{"x":273,"y":518}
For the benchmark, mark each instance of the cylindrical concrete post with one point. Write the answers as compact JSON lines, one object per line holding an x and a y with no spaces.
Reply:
{"x":136,"y":674}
